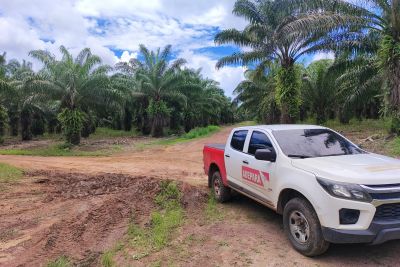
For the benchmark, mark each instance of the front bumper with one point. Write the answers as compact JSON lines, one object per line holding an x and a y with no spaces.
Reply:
{"x":378,"y":233}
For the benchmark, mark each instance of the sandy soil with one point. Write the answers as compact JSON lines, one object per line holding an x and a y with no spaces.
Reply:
{"x":182,"y":161}
{"x":79,"y":207}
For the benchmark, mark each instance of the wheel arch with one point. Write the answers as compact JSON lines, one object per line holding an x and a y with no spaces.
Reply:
{"x":286,"y":195}
{"x":213,"y":168}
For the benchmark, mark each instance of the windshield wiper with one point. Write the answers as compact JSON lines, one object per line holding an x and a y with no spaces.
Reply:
{"x":298,"y":156}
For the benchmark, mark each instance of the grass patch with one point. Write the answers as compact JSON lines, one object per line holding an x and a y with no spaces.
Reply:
{"x":195,"y":133}
{"x":394,"y":146}
{"x":246,"y":123}
{"x":102,"y":132}
{"x":163,"y":222}
{"x":59,"y":150}
{"x":359,"y":126}
{"x":9,"y":173}
{"x":62,"y":261}
{"x":212,"y":212}
{"x":107,"y":259}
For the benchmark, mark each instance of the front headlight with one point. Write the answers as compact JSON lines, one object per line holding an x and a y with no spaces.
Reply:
{"x":344,"y":190}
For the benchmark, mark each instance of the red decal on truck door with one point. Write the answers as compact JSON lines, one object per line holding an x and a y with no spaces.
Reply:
{"x":254,"y":176}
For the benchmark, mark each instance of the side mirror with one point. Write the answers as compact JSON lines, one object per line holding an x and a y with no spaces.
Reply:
{"x":265,"y":154}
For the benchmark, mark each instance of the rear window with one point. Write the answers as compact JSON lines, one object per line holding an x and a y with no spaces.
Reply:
{"x":238,"y":139}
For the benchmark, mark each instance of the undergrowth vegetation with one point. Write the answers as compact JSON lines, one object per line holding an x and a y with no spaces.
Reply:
{"x":154,"y":237}
{"x":60,"y":150}
{"x":9,"y":173}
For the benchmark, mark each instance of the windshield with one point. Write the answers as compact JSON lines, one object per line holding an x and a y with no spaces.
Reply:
{"x":310,"y":143}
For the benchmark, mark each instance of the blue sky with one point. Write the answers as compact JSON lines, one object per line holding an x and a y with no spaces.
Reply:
{"x":114,"y":30}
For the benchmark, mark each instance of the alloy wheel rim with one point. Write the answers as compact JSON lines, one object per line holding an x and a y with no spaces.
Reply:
{"x":299,"y":227}
{"x":217,"y":187}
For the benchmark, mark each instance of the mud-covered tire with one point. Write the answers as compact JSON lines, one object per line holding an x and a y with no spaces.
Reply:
{"x":221,"y":192}
{"x":297,"y":215}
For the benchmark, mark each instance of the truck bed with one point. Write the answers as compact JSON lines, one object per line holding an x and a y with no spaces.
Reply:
{"x":217,"y":146}
{"x":213,"y":157}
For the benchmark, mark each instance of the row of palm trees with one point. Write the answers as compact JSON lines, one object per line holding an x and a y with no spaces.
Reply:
{"x":363,"y":79}
{"x":77,"y":94}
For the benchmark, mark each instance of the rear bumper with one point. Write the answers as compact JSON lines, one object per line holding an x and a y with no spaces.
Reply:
{"x":378,"y":233}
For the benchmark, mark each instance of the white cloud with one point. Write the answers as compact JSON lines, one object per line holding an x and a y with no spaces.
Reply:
{"x":321,"y":55}
{"x":121,"y":25}
{"x":228,"y":77}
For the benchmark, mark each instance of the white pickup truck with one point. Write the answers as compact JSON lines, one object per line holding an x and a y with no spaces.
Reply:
{"x":327,"y":188}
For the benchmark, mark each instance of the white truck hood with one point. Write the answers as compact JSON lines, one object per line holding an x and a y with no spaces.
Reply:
{"x":365,"y":169}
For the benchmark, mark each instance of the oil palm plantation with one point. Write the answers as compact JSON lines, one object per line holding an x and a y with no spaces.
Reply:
{"x":318,"y":90}
{"x":268,"y":44}
{"x":157,"y":81}
{"x":77,"y":84}
{"x":256,"y":94}
{"x":350,"y":26}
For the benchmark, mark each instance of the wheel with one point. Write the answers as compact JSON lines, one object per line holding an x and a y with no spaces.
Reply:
{"x":301,"y":225}
{"x":221,"y":192}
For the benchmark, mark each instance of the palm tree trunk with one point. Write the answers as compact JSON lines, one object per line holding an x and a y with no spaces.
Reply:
{"x":394,"y":85}
{"x":157,"y":126}
{"x":26,"y":124}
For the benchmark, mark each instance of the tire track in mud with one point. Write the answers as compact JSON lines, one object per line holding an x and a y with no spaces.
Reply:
{"x":75,"y":214}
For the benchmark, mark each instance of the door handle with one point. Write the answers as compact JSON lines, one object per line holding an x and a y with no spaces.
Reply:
{"x":245,"y":162}
{"x":227,"y":156}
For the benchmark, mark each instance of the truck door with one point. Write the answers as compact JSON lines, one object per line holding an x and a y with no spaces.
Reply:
{"x":234,"y":156}
{"x":257,"y":174}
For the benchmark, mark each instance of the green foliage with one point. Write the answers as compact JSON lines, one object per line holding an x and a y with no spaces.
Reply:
{"x":388,"y":52}
{"x":288,"y":93}
{"x":107,"y":259}
{"x":63,"y":150}
{"x":103,"y":132}
{"x":3,"y":122}
{"x":62,"y":261}
{"x":319,"y":94}
{"x":212,"y":212}
{"x":158,"y":108}
{"x":201,"y":132}
{"x":72,"y":123}
{"x":163,"y":222}
{"x":9,"y":173}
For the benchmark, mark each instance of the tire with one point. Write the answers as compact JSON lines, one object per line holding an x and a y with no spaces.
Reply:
{"x":303,"y":229}
{"x":221,"y":192}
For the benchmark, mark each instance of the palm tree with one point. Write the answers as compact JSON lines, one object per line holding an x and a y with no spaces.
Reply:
{"x":319,"y":91}
{"x":256,"y":94}
{"x":350,"y":26}
{"x":267,"y":43}
{"x":158,"y":81}
{"x":78,"y":84}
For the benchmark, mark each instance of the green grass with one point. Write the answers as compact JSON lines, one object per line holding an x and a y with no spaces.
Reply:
{"x":195,"y":133}
{"x":356,"y":125}
{"x":103,"y":132}
{"x":59,"y":150}
{"x":394,"y":146}
{"x":9,"y":173}
{"x":163,"y":222}
{"x":246,"y":123}
{"x":107,"y":259}
{"x":60,"y":262}
{"x":212,"y":213}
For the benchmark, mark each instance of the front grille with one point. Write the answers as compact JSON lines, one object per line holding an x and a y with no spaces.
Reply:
{"x":388,"y":212}
{"x":381,"y":196}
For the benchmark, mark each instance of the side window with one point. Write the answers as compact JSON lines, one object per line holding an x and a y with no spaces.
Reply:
{"x":238,"y":139}
{"x":259,"y":140}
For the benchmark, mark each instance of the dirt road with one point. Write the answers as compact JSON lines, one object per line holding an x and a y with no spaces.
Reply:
{"x":182,"y":161}
{"x":80,"y":207}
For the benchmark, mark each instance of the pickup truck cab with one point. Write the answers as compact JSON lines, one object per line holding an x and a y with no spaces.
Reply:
{"x":327,"y":188}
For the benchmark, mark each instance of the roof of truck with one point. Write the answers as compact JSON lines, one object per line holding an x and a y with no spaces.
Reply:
{"x":277,"y":127}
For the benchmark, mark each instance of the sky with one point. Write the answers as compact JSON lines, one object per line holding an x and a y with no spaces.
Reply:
{"x":114,"y":29}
